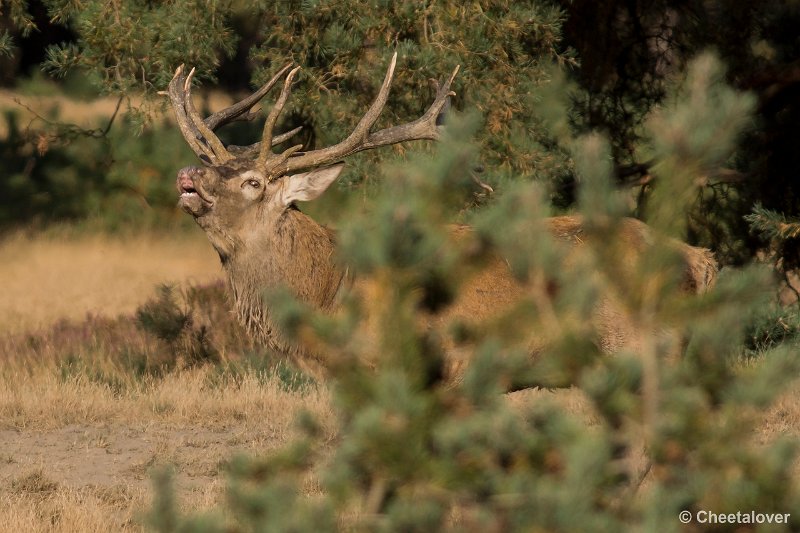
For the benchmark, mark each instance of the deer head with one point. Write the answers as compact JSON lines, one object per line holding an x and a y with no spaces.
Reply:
{"x":242,"y":188}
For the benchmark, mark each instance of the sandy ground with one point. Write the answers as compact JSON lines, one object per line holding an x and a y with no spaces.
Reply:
{"x":79,"y":455}
{"x":84,"y":477}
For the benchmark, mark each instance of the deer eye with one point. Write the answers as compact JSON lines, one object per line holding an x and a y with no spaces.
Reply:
{"x":254,"y":183}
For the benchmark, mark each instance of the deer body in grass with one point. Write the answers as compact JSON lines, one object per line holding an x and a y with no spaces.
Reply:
{"x":244,"y":199}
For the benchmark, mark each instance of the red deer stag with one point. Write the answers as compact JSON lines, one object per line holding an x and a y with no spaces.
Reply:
{"x":243,"y":198}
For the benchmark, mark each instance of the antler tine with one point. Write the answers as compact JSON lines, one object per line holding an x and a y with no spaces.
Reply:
{"x":199,"y":133}
{"x":220,"y":118}
{"x":278,"y":139}
{"x":424,"y":127}
{"x":275,"y":164}
{"x":443,"y":93}
{"x":265,"y":154}
{"x":190,"y":132}
{"x":253,"y":150}
{"x":219,"y":150}
{"x":357,"y":136}
{"x":362,"y":128}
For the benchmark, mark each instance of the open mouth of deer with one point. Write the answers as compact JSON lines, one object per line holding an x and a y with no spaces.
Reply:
{"x":192,"y":197}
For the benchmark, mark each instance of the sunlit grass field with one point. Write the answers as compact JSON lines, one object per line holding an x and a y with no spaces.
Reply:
{"x":46,"y":279}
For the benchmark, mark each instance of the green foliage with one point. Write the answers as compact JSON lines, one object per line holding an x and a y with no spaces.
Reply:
{"x":19,"y":15}
{"x":167,"y":34}
{"x":772,"y":327}
{"x":782,"y":233}
{"x":6,"y":44}
{"x":419,"y":453}
{"x":504,"y":50}
{"x":773,"y":225}
{"x":56,"y":172}
{"x":692,"y":134}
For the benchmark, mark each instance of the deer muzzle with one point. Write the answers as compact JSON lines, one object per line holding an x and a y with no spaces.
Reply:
{"x":193,"y":199}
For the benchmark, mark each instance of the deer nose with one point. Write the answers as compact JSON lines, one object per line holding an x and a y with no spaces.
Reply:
{"x":185,"y":179}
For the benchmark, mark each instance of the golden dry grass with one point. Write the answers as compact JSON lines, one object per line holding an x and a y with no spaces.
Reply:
{"x":36,"y":503}
{"x":43,"y":280}
{"x":43,"y":399}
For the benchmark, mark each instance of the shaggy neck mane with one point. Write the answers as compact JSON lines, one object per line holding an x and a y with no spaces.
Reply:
{"x":295,"y":253}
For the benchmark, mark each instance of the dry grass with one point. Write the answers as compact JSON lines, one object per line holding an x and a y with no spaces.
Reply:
{"x":42,"y":399}
{"x":60,"y":508}
{"x":43,"y":280}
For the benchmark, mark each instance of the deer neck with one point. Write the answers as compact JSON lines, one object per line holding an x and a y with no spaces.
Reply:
{"x":295,"y":253}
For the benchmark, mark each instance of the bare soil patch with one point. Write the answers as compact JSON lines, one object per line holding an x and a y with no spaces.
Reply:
{"x":117,"y":454}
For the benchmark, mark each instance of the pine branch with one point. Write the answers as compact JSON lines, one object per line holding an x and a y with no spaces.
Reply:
{"x":773,"y":225}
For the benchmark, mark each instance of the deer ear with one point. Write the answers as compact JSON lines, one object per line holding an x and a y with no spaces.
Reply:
{"x":308,"y":185}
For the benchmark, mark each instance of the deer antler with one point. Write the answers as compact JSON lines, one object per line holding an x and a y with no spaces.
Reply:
{"x":229,"y":114}
{"x":361,"y":139}
{"x":201,"y":138}
{"x":199,"y":133}
{"x":267,"y":161}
